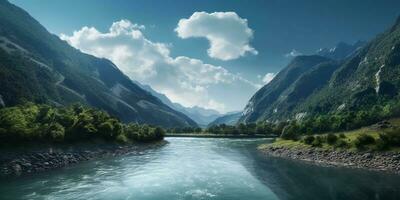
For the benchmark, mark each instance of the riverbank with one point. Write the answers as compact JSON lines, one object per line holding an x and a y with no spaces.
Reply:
{"x":38,"y":159}
{"x":378,"y":161}
{"x":373,"y":147}
{"x":203,"y":135}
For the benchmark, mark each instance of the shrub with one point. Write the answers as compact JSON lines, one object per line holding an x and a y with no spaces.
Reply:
{"x":56,"y":132}
{"x":122,"y":139}
{"x":290,"y":132}
{"x":159,"y":133}
{"x":341,"y":143}
{"x":309,"y":139}
{"x":362,"y":140}
{"x":381,"y":144}
{"x":388,"y":139}
{"x":393,"y":137}
{"x":331,"y":138}
{"x":342,"y":135}
{"x":317,"y":141}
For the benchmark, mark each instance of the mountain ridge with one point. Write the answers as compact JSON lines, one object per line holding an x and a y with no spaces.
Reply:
{"x":38,"y":66}
{"x":366,"y":77}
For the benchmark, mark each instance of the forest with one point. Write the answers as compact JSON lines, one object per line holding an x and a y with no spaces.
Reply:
{"x":76,"y":123}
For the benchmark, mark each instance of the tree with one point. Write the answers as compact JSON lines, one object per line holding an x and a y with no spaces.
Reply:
{"x":291,"y":131}
{"x":331,"y":138}
{"x":309,"y":139}
{"x":56,"y":132}
{"x":159,"y":132}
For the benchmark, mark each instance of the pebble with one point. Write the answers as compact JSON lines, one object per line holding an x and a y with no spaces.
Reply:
{"x":382,"y":161}
{"x":39,"y":161}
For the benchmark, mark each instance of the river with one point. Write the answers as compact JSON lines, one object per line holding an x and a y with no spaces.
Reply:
{"x":201,"y":168}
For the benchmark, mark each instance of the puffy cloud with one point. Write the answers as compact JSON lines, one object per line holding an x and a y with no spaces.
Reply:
{"x":293,"y":53}
{"x":184,"y":80}
{"x":268,"y":78}
{"x":228,"y":34}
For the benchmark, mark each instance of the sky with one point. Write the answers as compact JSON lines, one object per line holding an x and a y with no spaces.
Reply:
{"x":210,"y":53}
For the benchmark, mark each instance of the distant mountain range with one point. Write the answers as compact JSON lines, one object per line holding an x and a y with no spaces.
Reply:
{"x":37,"y":66}
{"x":229,"y":119}
{"x":348,"y":77}
{"x":201,"y":116}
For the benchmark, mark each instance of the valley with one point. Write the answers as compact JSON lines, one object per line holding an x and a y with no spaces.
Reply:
{"x":193,"y":103}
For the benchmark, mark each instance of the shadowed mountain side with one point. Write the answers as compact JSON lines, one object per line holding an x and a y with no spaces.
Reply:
{"x":37,"y":66}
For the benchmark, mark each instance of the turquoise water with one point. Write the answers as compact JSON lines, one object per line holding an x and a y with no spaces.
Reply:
{"x":201,"y":168}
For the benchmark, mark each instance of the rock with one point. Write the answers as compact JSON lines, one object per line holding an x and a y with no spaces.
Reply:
{"x":368,"y":155}
{"x":40,"y":156}
{"x":17,"y":169}
{"x":382,"y":161}
{"x":26,"y":165}
{"x":40,"y":161}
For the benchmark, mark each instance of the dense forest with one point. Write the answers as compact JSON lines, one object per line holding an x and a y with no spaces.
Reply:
{"x":260,"y":128}
{"x":251,"y":129}
{"x":33,"y":123}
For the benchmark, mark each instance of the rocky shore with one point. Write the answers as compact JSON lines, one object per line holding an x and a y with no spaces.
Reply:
{"x":378,"y":161}
{"x":19,"y":162}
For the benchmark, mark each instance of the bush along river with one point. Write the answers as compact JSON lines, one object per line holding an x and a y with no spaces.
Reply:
{"x":201,"y":168}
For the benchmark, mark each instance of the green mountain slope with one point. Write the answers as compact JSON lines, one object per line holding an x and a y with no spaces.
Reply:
{"x":309,"y":85}
{"x":369,"y":78}
{"x":37,"y":66}
{"x":228,"y":119}
{"x":261,"y":104}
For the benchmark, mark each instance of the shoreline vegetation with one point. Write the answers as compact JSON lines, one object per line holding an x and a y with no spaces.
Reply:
{"x":241,"y":130}
{"x":367,"y":138}
{"x":375,"y":147}
{"x":38,"y":137}
{"x":211,"y":135}
{"x":40,"y":123}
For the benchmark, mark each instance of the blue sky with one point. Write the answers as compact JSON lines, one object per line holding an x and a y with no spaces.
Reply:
{"x":231,"y":77}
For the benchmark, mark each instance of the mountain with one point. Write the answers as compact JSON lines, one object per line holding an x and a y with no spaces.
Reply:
{"x":37,"y":66}
{"x":201,"y":116}
{"x":261,"y":105}
{"x":228,"y":119}
{"x":341,"y":50}
{"x":319,"y":85}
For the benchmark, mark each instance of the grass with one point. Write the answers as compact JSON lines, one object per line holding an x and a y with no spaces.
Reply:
{"x":350,"y":137}
{"x":279,"y":142}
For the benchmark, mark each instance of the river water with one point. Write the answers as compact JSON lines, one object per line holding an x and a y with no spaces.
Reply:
{"x":201,"y":168}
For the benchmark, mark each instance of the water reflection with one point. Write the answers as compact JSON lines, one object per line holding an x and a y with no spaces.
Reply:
{"x":309,"y":182}
{"x":298,"y":180}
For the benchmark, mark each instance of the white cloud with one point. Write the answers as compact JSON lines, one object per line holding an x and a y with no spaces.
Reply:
{"x":184,"y":80}
{"x":268,"y":78}
{"x":228,"y":34}
{"x":293,"y":53}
